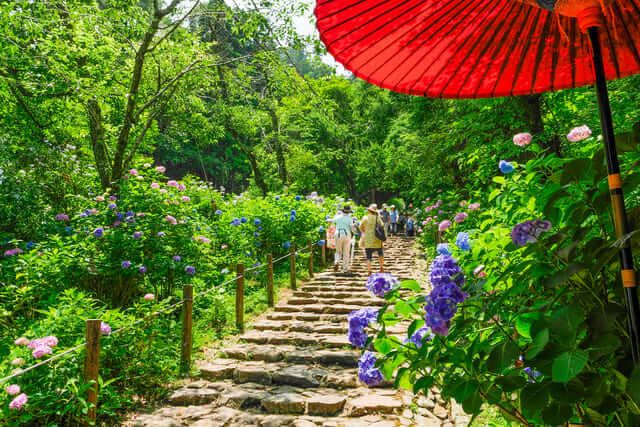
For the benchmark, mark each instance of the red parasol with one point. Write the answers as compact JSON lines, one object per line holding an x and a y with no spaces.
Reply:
{"x":492,"y":48}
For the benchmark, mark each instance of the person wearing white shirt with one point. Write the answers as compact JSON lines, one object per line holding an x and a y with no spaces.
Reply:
{"x":344,"y":233}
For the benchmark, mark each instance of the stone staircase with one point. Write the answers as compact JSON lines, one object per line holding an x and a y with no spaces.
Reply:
{"x":296,"y":367}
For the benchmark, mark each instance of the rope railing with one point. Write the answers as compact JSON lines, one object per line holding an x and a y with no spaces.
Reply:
{"x":92,"y":340}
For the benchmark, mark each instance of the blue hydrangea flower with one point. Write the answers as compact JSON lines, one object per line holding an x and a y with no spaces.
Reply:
{"x":277,"y":197}
{"x":137,"y":234}
{"x":236,"y":222}
{"x":445,"y":269}
{"x":142,"y":269}
{"x":120,"y":216}
{"x":68,"y":229}
{"x":30,"y":245}
{"x":381,"y":283}
{"x":161,"y":234}
{"x":367,"y":371}
{"x":256,"y":234}
{"x":293,"y":212}
{"x":218,"y":212}
{"x":98,"y":232}
{"x":286,"y":245}
{"x":532,"y":374}
{"x":462,"y":241}
{"x":257,"y":221}
{"x":443,"y":249}
{"x":292,"y":218}
{"x":505,"y":167}
{"x":190,"y":270}
{"x":125,"y":264}
{"x":129,"y":214}
{"x":298,"y":198}
{"x":112,"y":206}
{"x":358,"y":320}
{"x":243,"y":219}
{"x":177,"y":258}
{"x":420,"y":336}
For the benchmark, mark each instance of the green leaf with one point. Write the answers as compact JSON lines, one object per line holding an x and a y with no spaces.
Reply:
{"x":403,"y":308}
{"x":565,"y":322}
{"x":423,"y":384}
{"x":403,"y":379}
{"x":524,"y":323}
{"x":412,"y":285}
{"x":557,"y":414}
{"x":568,"y":365}
{"x":503,"y":356}
{"x":533,"y":398}
{"x":383,"y":345}
{"x":539,"y":342}
{"x":473,"y":404}
{"x":633,"y":386}
{"x":465,"y":389}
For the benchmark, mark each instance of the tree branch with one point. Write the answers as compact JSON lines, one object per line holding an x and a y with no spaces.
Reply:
{"x":175,"y":26}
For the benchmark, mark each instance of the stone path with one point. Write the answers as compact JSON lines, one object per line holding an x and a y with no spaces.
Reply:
{"x":296,"y":367}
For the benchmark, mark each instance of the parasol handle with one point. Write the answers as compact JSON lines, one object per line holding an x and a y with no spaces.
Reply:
{"x":617,"y":196}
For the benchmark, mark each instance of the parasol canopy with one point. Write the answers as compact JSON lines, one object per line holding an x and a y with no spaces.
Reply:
{"x":480,"y":48}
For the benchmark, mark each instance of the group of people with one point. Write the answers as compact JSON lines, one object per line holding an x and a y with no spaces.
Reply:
{"x":371,"y":231}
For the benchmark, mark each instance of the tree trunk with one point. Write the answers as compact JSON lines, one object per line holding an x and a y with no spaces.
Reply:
{"x":257,"y":173}
{"x":98,"y":144}
{"x":277,"y":146}
{"x":348,"y":178}
{"x":532,"y":105}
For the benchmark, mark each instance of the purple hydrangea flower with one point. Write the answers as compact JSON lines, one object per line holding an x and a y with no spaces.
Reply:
{"x":358,"y":321}
{"x":532,"y":374}
{"x":105,"y":329}
{"x":137,"y":234}
{"x":236,"y":222}
{"x":367,"y":371}
{"x":125,"y":264}
{"x":381,"y":283}
{"x":462,"y":241}
{"x":98,"y":232}
{"x":218,"y":212}
{"x":142,"y":269}
{"x":420,"y":336}
{"x":529,"y":231}
{"x":190,"y":270}
{"x":177,"y":258}
{"x":62,"y":217}
{"x":161,"y":234}
{"x":442,"y":303}
{"x":112,"y":206}
{"x":12,"y":252}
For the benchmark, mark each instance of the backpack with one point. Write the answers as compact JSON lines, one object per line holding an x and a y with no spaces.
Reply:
{"x":379,"y":230}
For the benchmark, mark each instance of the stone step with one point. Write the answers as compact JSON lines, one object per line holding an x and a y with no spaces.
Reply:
{"x":296,"y":338}
{"x":284,"y":399}
{"x":333,"y":294}
{"x":292,"y":354}
{"x":279,"y":373}
{"x":318,"y":327}
{"x":307,"y":317}
{"x":335,"y":301}
{"x":321,"y":308}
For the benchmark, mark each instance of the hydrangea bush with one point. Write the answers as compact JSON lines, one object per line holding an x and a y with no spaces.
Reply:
{"x":527,"y":310}
{"x":118,"y":256}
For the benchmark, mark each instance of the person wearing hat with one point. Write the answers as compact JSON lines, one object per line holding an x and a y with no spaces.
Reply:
{"x":371,"y":242}
{"x":344,"y":233}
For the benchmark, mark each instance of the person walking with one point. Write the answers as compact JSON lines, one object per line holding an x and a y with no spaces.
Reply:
{"x":371,"y":242}
{"x":393,"y":217}
{"x":344,"y":233}
{"x":386,"y":219}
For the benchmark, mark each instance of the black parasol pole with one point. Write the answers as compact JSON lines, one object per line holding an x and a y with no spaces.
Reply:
{"x":617,"y":197}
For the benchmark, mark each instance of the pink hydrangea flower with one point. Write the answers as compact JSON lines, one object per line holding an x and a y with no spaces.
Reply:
{"x":579,"y":133}
{"x":18,"y":361}
{"x":50,"y":341}
{"x":522,"y":139}
{"x":186,"y":198}
{"x":474,"y":206}
{"x":149,"y":297}
{"x":133,"y":172}
{"x":182,"y":187}
{"x":171,"y":220}
{"x":425,"y":222}
{"x":18,"y":402}
{"x":444,"y":225}
{"x":163,"y":190}
{"x":13,"y":389}
{"x":99,"y":199}
{"x":43,"y":350}
{"x":62,"y":217}
{"x":172,"y":183}
{"x":161,"y":169}
{"x":460,"y":217}
{"x":479,"y":272}
{"x":203,"y":239}
{"x":155,"y":185}
{"x":105,"y":329}
{"x":463,"y":203}
{"x":21,"y":341}
{"x":419,"y":230}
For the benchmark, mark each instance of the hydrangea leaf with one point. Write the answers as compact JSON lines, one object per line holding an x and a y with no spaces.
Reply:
{"x":568,"y":365}
{"x":633,"y":386}
{"x":539,"y":342}
{"x":533,"y":399}
{"x":502,"y":356}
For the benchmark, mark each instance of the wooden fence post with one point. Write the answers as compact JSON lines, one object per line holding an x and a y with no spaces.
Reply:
{"x":324,"y":253}
{"x":310,"y":259}
{"x":292,"y":266}
{"x":92,"y":366}
{"x":240,"y":298}
{"x":187,"y":326}
{"x":270,"y":280}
